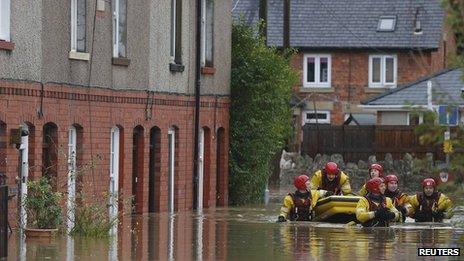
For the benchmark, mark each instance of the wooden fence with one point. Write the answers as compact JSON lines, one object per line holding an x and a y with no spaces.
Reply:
{"x":359,"y":142}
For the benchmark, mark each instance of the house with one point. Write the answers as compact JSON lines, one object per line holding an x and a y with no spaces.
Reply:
{"x":111,"y":84}
{"x":441,"y":92}
{"x":348,"y":51}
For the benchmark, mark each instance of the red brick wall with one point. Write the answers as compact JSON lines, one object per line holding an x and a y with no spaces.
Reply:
{"x":350,"y":75}
{"x":99,"y":110}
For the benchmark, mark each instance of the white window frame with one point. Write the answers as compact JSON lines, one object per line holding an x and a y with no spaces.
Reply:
{"x":72,"y":166}
{"x":114,"y":176}
{"x":203,"y":33}
{"x":408,"y":117}
{"x":5,"y":12}
{"x":319,"y":121}
{"x":171,"y":170}
{"x":383,"y":83}
{"x":317,"y":83}
{"x":173,"y":30}
{"x":116,"y":29}
{"x":73,"y":25}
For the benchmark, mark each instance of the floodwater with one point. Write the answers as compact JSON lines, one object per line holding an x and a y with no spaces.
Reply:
{"x":246,"y":233}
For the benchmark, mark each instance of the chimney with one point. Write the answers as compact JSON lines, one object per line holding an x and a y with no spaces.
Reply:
{"x":286,"y":35}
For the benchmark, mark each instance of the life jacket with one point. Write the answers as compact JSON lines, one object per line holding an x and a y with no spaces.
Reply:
{"x":302,"y":206}
{"x":373,"y":207}
{"x":333,"y":185}
{"x":395,"y":196}
{"x":427,"y":205}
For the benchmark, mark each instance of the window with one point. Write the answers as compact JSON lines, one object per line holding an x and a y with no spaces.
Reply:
{"x":382,"y":71}
{"x":176,"y":31}
{"x":317,"y":70}
{"x":415,"y":119}
{"x":207,"y":32}
{"x":78,"y":25}
{"x":119,"y":28}
{"x":386,"y":24}
{"x":448,"y":115}
{"x":310,"y":116}
{"x":5,"y":20}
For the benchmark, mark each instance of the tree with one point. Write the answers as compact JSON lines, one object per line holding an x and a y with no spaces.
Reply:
{"x":260,"y":114}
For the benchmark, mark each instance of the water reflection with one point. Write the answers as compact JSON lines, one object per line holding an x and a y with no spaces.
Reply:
{"x":238,"y":234}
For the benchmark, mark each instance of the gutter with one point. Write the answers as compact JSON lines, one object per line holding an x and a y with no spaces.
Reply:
{"x":394,"y":107}
{"x":197,"y":104}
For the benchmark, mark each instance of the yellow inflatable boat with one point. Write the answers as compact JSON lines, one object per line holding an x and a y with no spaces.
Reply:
{"x":336,"y":209}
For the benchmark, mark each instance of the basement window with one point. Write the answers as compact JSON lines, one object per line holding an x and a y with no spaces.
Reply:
{"x":386,"y":24}
{"x":310,"y":116}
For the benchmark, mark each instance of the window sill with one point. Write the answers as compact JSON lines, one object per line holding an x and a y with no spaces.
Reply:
{"x":375,"y":89}
{"x":4,"y":45}
{"x":174,"y":67}
{"x":317,"y":89}
{"x":120,"y":61}
{"x":73,"y":55}
{"x":208,"y":70}
{"x":379,"y":88}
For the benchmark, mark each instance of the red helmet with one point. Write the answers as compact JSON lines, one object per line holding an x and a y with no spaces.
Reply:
{"x":377,"y":167}
{"x":373,"y":185}
{"x":300,"y":182}
{"x":429,"y":182}
{"x":331,"y":168}
{"x":391,"y":178}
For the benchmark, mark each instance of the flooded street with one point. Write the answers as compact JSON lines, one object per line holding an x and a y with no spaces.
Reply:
{"x":246,"y":233}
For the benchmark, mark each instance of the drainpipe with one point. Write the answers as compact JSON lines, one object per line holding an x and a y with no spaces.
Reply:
{"x":197,"y":105}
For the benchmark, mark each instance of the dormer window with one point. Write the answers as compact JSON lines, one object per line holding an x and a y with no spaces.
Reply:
{"x":386,"y":24}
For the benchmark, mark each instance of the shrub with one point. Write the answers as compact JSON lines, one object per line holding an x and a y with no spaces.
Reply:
{"x":260,"y":114}
{"x":42,"y":205}
{"x":92,"y":220}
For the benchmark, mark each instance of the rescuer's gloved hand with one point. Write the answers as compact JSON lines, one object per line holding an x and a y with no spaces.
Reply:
{"x":420,"y":216}
{"x":381,"y":213}
{"x":389,"y":215}
{"x":403,"y":212}
{"x":438,"y":214}
{"x":329,"y":193}
{"x":281,"y":219}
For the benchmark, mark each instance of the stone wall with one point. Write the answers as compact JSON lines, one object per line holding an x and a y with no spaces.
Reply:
{"x":410,"y":171}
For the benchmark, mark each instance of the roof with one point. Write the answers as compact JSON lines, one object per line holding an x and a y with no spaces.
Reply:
{"x":249,"y":9}
{"x":324,"y":24}
{"x":446,"y":89}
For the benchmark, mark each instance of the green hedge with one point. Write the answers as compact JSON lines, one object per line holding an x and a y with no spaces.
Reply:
{"x":260,"y":114}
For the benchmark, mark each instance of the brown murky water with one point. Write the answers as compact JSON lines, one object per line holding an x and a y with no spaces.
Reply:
{"x":248,"y":233}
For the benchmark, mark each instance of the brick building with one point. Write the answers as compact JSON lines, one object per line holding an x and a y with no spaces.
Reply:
{"x":111,"y":98}
{"x":348,"y":51}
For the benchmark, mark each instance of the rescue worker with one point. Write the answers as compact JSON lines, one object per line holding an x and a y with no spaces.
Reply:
{"x":374,"y":209}
{"x":430,"y":205}
{"x":375,"y":170}
{"x":400,"y":199}
{"x":298,"y":205}
{"x":332,"y":179}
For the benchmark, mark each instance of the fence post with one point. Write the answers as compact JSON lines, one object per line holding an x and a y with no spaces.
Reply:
{"x":3,"y":222}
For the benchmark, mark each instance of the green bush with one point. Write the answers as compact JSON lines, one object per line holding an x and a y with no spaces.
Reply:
{"x":454,"y":191}
{"x":260,"y":115}
{"x":92,"y":220}
{"x":42,"y":205}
